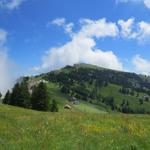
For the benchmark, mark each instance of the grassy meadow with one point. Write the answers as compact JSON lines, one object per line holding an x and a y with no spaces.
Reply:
{"x":72,"y":130}
{"x":85,"y":127}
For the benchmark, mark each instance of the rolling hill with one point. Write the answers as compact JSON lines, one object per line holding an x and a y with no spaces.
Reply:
{"x":112,"y":90}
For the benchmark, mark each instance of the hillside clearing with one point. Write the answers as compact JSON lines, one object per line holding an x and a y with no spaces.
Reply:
{"x":88,"y":108}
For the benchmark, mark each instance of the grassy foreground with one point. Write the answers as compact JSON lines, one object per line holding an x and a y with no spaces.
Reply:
{"x":72,"y":130}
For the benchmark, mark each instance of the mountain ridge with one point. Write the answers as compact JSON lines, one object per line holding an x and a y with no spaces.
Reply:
{"x":86,"y":82}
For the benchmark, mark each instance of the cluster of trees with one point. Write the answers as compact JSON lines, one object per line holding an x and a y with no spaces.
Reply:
{"x":38,"y":100}
{"x":97,"y":78}
{"x":125,"y":108}
{"x":85,"y":83}
{"x":81,"y":92}
{"x":102,"y":76}
{"x":127,"y":91}
{"x":142,"y":100}
{"x":109,"y":101}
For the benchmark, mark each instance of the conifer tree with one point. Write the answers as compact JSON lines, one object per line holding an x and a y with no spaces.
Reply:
{"x":15,"y":96}
{"x":20,"y":95}
{"x":24,"y":95}
{"x":40,"y":98}
{"x":7,"y":98}
{"x":0,"y":96}
{"x":54,"y":107}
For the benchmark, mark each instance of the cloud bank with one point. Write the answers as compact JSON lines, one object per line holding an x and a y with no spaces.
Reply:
{"x":139,"y":31}
{"x":82,"y":46}
{"x":141,"y":65}
{"x":6,"y":79}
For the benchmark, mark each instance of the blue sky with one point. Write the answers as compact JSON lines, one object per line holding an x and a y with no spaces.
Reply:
{"x":38,"y":36}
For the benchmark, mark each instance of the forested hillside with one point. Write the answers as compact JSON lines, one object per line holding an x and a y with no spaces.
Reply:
{"x":110,"y":90}
{"x":119,"y":91}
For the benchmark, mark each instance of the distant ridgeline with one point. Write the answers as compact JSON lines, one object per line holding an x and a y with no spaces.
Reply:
{"x":91,"y":83}
{"x":113,"y":90}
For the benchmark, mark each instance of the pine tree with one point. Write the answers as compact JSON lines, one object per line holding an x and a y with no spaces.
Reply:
{"x":0,"y":96}
{"x":15,"y":96}
{"x":24,"y":95}
{"x":54,"y":107}
{"x":20,"y":95}
{"x":7,"y":98}
{"x":40,"y":98}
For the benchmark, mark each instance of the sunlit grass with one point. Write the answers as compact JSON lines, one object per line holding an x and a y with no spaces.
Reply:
{"x":88,"y":108}
{"x":72,"y":130}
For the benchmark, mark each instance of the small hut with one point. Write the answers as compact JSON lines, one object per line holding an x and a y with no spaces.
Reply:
{"x":67,"y":107}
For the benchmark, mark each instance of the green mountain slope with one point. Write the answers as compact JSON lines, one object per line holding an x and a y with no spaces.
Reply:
{"x":110,"y":89}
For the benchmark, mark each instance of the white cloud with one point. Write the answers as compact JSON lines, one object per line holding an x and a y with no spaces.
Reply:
{"x":62,"y":22}
{"x":139,"y":31}
{"x":98,"y":28}
{"x":10,"y":4}
{"x":127,"y":1}
{"x":145,"y":2}
{"x":68,"y":27}
{"x":79,"y":50}
{"x":127,"y":28}
{"x":141,"y":65}
{"x":6,"y":80}
{"x":144,"y":31}
{"x":82,"y":48}
{"x":59,"y":21}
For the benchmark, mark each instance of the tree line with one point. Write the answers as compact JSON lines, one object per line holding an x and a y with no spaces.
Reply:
{"x":38,"y":99}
